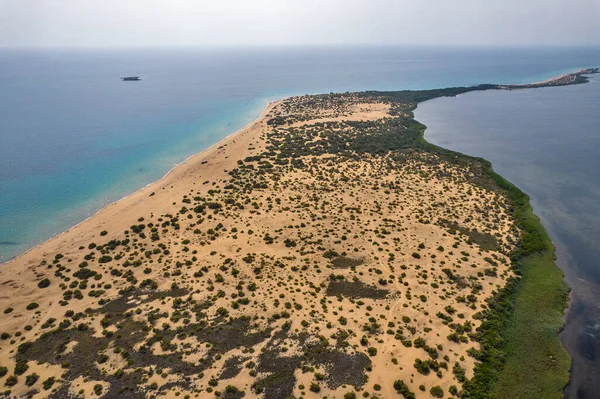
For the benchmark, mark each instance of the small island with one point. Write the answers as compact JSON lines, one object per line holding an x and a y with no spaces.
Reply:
{"x":325,"y":250}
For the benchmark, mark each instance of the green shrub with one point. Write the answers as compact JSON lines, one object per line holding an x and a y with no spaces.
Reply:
{"x":403,"y":390}
{"x":437,"y":392}
{"x":47,"y":384}
{"x":21,"y":367}
{"x":31,"y":379}
{"x":11,"y":381}
{"x":44,"y":283}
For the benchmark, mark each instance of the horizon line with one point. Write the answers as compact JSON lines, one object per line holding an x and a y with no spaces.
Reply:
{"x":307,"y":45}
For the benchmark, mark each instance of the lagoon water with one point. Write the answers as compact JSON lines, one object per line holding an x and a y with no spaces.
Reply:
{"x":547,"y":142}
{"x":74,"y":138}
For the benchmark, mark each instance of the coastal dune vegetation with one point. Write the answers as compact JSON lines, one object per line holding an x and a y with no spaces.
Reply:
{"x":326,"y":250}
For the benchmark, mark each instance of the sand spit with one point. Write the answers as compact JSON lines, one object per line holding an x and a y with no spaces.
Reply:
{"x":316,"y":252}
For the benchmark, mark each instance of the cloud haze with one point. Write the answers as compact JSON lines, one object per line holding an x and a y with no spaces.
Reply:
{"x":127,"y":23}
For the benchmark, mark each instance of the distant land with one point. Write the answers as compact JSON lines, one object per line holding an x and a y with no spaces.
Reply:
{"x":562,"y":80}
{"x":325,"y":250}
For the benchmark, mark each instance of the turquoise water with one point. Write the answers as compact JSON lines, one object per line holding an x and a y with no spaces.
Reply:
{"x":546,"y":141}
{"x":74,"y":138}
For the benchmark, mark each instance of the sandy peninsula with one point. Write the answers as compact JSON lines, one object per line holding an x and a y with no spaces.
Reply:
{"x":321,"y":251}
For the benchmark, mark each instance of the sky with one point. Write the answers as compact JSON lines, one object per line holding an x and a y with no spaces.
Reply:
{"x":200,"y":23}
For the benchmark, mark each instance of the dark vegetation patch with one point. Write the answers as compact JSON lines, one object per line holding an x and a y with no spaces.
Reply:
{"x":232,"y":367}
{"x":341,"y":368}
{"x":355,"y":289}
{"x":133,"y":297}
{"x":231,"y":392}
{"x":342,"y":262}
{"x":223,"y":336}
{"x":484,"y":240}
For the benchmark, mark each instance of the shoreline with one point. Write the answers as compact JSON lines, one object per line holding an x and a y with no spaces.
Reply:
{"x":553,"y":252}
{"x":564,"y":79}
{"x":514,"y":312}
{"x":524,"y":311}
{"x":550,"y":82}
{"x":268,"y":107}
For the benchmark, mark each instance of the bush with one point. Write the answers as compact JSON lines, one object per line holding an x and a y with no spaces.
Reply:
{"x":84,"y":274}
{"x":231,"y":389}
{"x":422,"y":366}
{"x":21,"y":367}
{"x":403,"y":390}
{"x":31,"y":379}
{"x":32,"y":305}
{"x":44,"y":283}
{"x":47,"y":384}
{"x":437,"y":392}
{"x":11,"y":381}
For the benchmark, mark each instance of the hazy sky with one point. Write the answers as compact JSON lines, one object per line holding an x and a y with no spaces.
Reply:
{"x":125,"y":23}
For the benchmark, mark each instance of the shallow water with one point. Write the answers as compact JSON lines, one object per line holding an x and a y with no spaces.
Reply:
{"x":545,"y":141}
{"x":74,"y":138}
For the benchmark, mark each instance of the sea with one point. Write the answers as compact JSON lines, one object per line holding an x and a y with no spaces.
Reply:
{"x":75,"y":138}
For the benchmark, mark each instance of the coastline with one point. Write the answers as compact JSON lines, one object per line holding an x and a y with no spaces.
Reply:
{"x":565,"y":79}
{"x":534,"y":256}
{"x":270,"y":105}
{"x":474,"y":125}
{"x":550,"y":82}
{"x":535,"y":267}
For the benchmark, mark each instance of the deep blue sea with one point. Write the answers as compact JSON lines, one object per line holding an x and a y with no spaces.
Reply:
{"x":74,"y":138}
{"x":547,"y":142}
